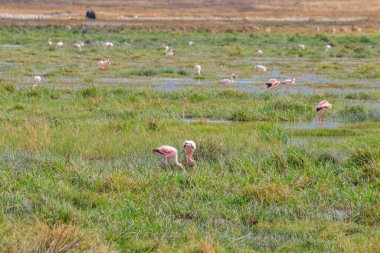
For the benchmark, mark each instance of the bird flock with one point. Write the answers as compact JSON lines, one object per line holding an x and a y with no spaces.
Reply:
{"x":168,"y":152}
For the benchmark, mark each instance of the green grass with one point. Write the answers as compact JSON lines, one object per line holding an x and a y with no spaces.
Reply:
{"x":82,"y":162}
{"x":77,"y":172}
{"x":219,"y":54}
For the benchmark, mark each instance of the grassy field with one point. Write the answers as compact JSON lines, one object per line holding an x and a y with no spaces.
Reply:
{"x":77,"y":172}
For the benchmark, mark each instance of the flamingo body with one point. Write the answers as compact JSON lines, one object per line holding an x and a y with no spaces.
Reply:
{"x":78,"y":45}
{"x":301,"y":47}
{"x":108,"y":44}
{"x":170,"y":52}
{"x":323,"y":105}
{"x":227,"y":82}
{"x":272,"y":82}
{"x":327,"y":48}
{"x":103,"y":64}
{"x":59,"y":44}
{"x":36,"y":81}
{"x":289,"y":81}
{"x":197,"y":69}
{"x":261,"y":68}
{"x":168,"y":152}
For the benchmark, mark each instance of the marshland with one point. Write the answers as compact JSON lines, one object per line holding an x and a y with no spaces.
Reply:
{"x":77,"y":172}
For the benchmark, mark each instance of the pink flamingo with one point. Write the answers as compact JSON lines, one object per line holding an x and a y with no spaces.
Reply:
{"x":78,"y":45}
{"x":228,"y":82}
{"x":103,"y":64}
{"x":37,"y":81}
{"x":59,"y":44}
{"x":168,"y":152}
{"x":261,"y":68}
{"x":301,"y":47}
{"x":259,"y":52}
{"x":327,"y":48}
{"x":272,"y":82}
{"x":189,"y":147}
{"x":197,"y":69}
{"x":289,"y":81}
{"x":170,"y":52}
{"x":321,"y":107}
{"x":108,"y":44}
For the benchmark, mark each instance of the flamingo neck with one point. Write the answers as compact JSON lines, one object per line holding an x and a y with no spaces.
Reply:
{"x":189,"y":158}
{"x":176,"y":162}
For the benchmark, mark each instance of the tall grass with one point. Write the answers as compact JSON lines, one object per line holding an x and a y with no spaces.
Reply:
{"x":77,"y":172}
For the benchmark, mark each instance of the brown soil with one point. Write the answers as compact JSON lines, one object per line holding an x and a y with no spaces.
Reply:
{"x":369,"y":9}
{"x":213,"y":15}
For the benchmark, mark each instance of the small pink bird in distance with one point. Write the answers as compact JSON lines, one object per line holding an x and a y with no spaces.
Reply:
{"x":103,"y":64}
{"x":228,"y":82}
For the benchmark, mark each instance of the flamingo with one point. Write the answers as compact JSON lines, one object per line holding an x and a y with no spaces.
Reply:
{"x":168,"y":152}
{"x":170,"y":52}
{"x":301,"y":47}
{"x":108,"y":44}
{"x":197,"y":69}
{"x":165,"y":46}
{"x":50,"y":43}
{"x":189,"y":147}
{"x":103,"y":64}
{"x":259,"y":52}
{"x":227,"y":82}
{"x":321,"y":107}
{"x":272,"y":82}
{"x":78,"y":45}
{"x":37,"y":81}
{"x":261,"y":68}
{"x":327,"y":48}
{"x":59,"y":44}
{"x":289,"y":81}
{"x":191,"y":43}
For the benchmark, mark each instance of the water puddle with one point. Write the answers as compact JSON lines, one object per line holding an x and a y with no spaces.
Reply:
{"x":207,"y":120}
{"x":300,"y":125}
{"x":310,"y":125}
{"x":10,"y":45}
{"x":305,"y":84}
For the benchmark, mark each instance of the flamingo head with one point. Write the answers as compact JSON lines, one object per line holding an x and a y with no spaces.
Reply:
{"x":189,"y":148}
{"x":233,"y":76}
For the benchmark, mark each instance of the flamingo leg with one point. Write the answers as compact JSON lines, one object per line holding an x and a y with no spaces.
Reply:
{"x":162,"y":163}
{"x":168,"y":164}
